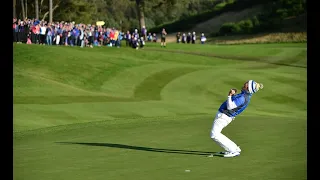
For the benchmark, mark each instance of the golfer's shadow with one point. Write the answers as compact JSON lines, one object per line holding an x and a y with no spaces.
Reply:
{"x":140,"y":148}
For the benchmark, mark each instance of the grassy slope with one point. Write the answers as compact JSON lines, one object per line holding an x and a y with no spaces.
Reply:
{"x":210,"y":24}
{"x":120,"y":113}
{"x":213,"y":25}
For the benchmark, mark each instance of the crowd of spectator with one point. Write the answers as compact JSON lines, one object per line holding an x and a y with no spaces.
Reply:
{"x":190,"y":38}
{"x":33,"y":31}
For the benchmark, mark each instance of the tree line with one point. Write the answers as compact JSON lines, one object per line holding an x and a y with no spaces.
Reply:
{"x":124,"y":14}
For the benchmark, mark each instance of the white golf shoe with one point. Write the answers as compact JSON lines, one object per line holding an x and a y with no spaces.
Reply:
{"x":237,"y":150}
{"x":231,"y":154}
{"x":228,"y":154}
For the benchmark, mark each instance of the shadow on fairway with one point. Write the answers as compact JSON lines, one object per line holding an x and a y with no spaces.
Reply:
{"x":140,"y":148}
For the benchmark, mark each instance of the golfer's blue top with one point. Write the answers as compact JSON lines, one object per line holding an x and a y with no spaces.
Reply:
{"x":241,"y":102}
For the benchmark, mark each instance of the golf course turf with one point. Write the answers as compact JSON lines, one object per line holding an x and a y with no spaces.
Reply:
{"x":119,"y":113}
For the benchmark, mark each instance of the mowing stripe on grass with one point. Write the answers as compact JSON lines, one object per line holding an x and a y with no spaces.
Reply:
{"x":67,"y":99}
{"x":229,"y":57}
{"x":151,"y":87}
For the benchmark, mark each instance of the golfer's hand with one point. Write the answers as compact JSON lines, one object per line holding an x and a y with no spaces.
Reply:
{"x":232,"y":92}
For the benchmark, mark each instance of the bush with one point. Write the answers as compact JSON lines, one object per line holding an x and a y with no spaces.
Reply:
{"x":255,"y":21}
{"x":246,"y":26}
{"x":220,"y":6}
{"x":229,"y":28}
{"x":256,"y":24}
{"x":283,"y":13}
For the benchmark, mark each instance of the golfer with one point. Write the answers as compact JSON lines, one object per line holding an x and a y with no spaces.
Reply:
{"x":232,"y":107}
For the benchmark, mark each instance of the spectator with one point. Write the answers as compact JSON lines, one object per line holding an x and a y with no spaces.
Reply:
{"x":141,"y":43}
{"x":57,"y":35}
{"x":21,"y":33}
{"x":27,"y":28}
{"x":96,"y":36}
{"x":155,"y":37}
{"x":29,"y":40}
{"x":178,"y":36}
{"x":188,"y":37}
{"x":81,"y":37}
{"x":203,"y":39}
{"x":149,"y":38}
{"x":119,"y":39}
{"x":184,"y":38}
{"x":43,"y":29}
{"x":144,"y":32}
{"x":111,"y":35}
{"x":15,"y":30}
{"x":163,"y":38}
{"x":135,"y":43}
{"x":116,"y":35}
{"x":128,"y":38}
{"x":33,"y":34}
{"x":89,"y":37}
{"x":77,"y":36}
{"x":68,"y":34}
{"x":49,"y":35}
{"x":37,"y":33}
{"x":194,"y":38}
{"x":100,"y":38}
{"x":136,"y":34}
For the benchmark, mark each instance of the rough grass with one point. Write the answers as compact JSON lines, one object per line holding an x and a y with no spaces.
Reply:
{"x":298,"y":37}
{"x":119,"y":113}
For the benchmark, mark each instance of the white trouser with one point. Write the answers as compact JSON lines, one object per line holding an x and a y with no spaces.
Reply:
{"x":57,"y":39}
{"x":221,"y":121}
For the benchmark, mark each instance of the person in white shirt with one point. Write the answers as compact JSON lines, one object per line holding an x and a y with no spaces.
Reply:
{"x":203,"y":39}
{"x":43,"y":29}
{"x":81,"y":37}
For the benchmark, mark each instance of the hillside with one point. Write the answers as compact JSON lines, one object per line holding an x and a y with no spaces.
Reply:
{"x":213,"y":25}
{"x":292,"y":26}
{"x":244,"y":18}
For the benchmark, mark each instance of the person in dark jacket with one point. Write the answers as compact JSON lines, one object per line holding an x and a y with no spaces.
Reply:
{"x":184,"y":38}
{"x":189,"y":38}
{"x":178,"y":36}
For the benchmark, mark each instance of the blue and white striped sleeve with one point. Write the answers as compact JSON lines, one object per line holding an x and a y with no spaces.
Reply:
{"x":234,"y":102}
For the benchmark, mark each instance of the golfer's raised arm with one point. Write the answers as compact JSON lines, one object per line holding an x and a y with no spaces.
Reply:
{"x":231,"y":104}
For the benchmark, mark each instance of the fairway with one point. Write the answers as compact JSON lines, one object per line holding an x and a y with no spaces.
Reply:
{"x":119,"y":113}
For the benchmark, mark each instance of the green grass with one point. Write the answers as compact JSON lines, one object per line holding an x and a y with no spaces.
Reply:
{"x":109,"y":113}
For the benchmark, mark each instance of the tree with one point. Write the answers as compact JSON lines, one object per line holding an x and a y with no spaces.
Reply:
{"x":159,"y":3}
{"x":140,"y":9}
{"x":26,"y":9}
{"x":14,"y":8}
{"x":80,"y":11}
{"x":50,"y":11}
{"x":36,"y":2}
{"x":22,"y":8}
